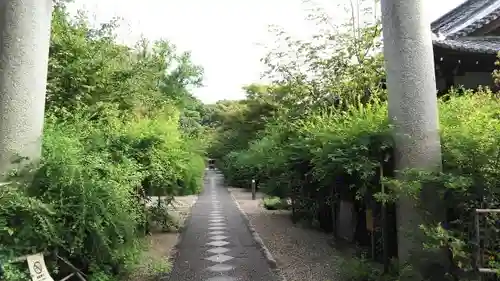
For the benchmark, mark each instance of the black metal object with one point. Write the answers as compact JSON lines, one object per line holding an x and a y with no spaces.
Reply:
{"x":254,"y":189}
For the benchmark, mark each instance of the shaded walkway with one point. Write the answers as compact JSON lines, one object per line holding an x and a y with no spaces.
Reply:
{"x":216,"y":244}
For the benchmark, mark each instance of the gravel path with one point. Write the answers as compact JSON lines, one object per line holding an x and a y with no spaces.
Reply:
{"x":161,"y":245}
{"x":302,"y":254}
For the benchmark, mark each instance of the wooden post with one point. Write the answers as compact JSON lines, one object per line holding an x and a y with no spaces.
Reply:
{"x":254,"y":195}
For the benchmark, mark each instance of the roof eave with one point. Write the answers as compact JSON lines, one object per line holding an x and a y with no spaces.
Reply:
{"x":445,"y":44}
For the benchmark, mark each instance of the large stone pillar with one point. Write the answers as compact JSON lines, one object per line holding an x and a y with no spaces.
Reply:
{"x":413,"y":108}
{"x":24,"y":43}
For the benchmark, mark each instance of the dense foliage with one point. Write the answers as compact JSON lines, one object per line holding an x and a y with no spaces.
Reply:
{"x":120,"y":124}
{"x":319,"y":133}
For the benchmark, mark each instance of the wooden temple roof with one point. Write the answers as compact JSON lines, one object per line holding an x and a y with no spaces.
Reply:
{"x":460,"y":29}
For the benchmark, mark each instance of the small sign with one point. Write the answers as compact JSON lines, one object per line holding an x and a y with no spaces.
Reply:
{"x":369,"y":220}
{"x":346,"y":221}
{"x":38,"y":270}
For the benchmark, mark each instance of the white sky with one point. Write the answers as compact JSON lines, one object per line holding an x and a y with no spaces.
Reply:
{"x":223,"y":35}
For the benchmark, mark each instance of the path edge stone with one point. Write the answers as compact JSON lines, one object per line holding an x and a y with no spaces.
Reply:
{"x":273,"y":264}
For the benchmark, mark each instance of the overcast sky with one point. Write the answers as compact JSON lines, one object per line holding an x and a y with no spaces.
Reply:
{"x":223,"y":35}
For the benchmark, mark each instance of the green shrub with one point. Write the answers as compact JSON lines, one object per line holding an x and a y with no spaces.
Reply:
{"x":112,"y":135}
{"x":84,"y":199}
{"x":363,"y":269}
{"x":161,"y":219}
{"x":94,"y":213}
{"x":345,"y":149}
{"x":275,"y":203}
{"x":359,"y":270}
{"x":329,"y":137}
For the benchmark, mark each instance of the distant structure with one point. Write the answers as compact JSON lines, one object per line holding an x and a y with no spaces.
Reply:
{"x":466,"y":43}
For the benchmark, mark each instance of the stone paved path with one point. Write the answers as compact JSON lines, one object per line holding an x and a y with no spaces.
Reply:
{"x":216,"y":244}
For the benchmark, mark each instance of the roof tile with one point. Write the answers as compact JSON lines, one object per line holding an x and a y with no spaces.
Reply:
{"x":466,"y":18}
{"x":482,"y":45}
